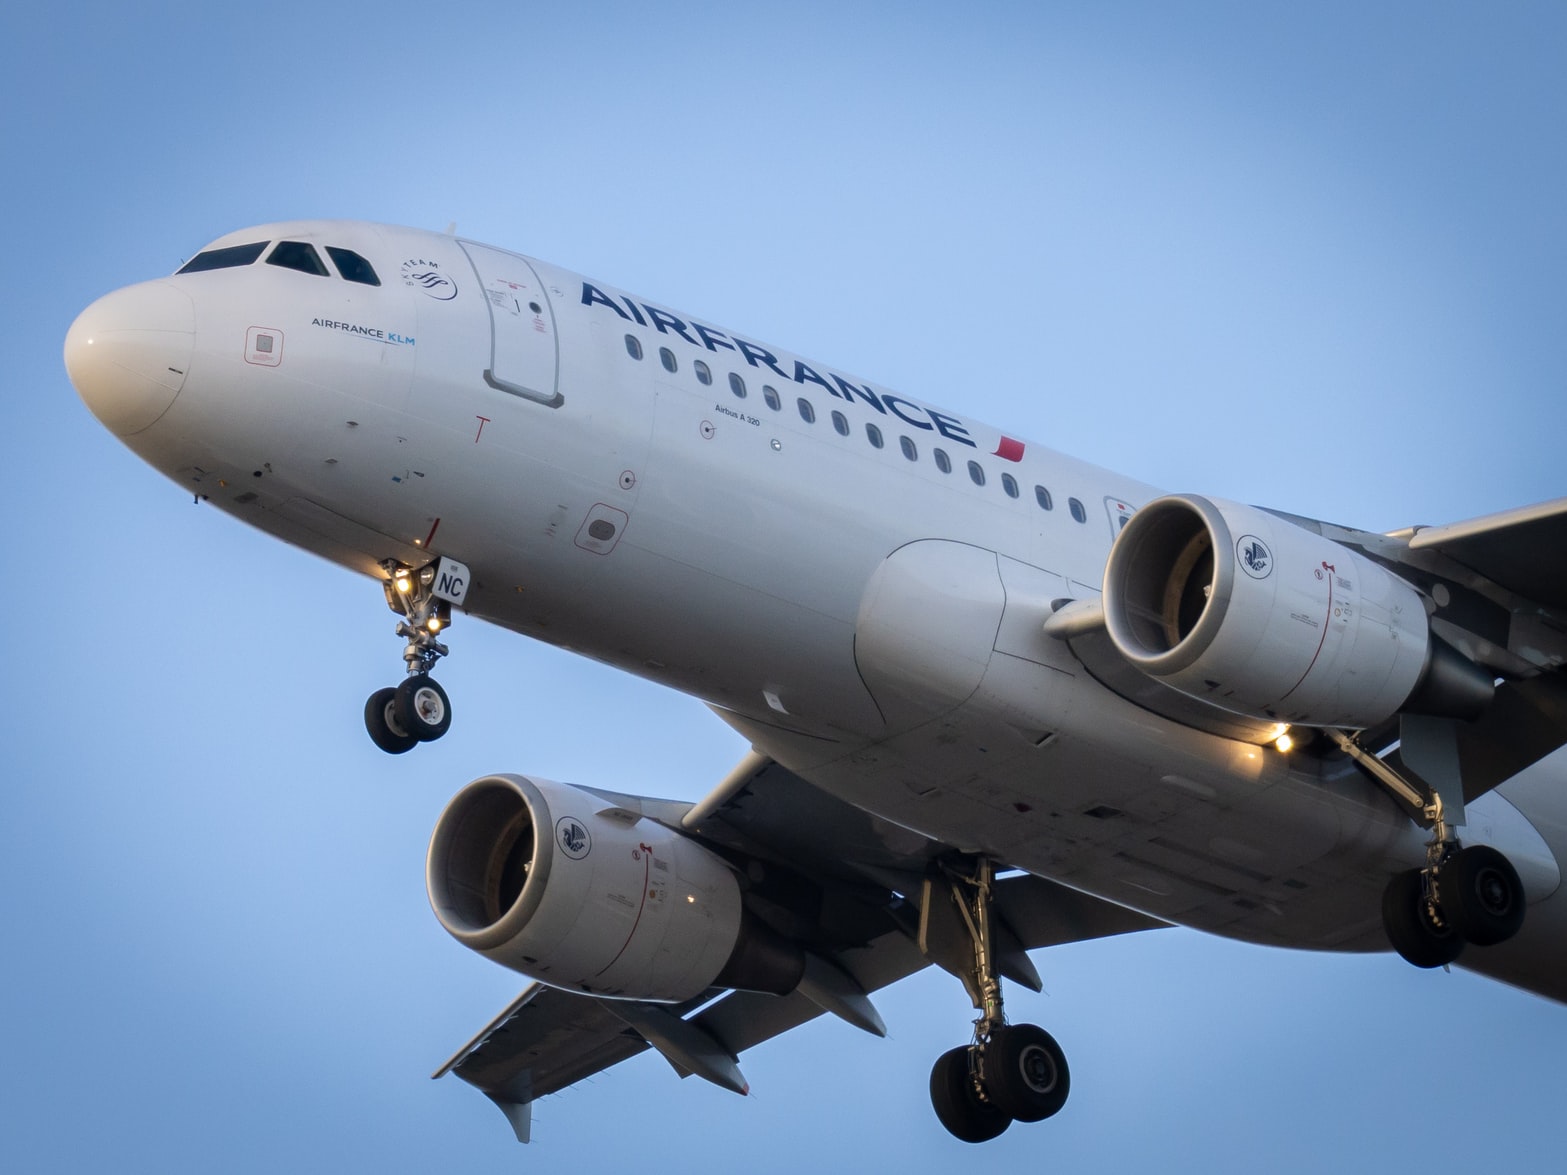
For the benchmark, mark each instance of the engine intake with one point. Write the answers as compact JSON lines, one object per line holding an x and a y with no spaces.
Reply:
{"x":565,"y":887}
{"x":1261,"y":617}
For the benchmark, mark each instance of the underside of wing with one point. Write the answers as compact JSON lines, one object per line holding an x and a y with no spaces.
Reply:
{"x":864,"y":897}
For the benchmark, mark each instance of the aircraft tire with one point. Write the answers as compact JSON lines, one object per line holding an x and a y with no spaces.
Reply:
{"x":381,"y":723}
{"x":957,"y":1103}
{"x":1409,"y":927}
{"x":1482,"y":894}
{"x":1026,"y":1074}
{"x":422,"y":708}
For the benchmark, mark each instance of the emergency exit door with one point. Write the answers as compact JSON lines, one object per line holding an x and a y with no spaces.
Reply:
{"x":524,"y":357}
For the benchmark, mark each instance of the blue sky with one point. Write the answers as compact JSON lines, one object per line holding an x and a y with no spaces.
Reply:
{"x":1307,"y":258}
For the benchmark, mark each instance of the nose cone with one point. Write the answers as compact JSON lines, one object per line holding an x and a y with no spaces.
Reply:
{"x":128,"y":352}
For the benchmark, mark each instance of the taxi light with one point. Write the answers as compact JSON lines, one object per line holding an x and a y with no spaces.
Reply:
{"x":433,"y":624}
{"x":403,"y":584}
{"x":1284,"y":743}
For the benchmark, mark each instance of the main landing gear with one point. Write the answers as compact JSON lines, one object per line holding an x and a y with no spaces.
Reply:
{"x":418,"y":710}
{"x":1011,"y":1072}
{"x":1463,"y":895}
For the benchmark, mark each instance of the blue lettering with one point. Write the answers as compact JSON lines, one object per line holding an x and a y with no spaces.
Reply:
{"x":852,"y":390}
{"x":893,"y":401}
{"x":803,"y":374}
{"x":713,"y":338}
{"x":951,"y":429}
{"x":635,"y":313}
{"x":592,"y":294}
{"x":661,"y":320}
{"x":754,"y":355}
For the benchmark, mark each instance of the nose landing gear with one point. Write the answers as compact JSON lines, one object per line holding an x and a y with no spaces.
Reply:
{"x":418,"y":710}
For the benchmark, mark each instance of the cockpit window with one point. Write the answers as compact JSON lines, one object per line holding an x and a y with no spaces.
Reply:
{"x":300,"y":255}
{"x":225,"y":258}
{"x":353,"y":267}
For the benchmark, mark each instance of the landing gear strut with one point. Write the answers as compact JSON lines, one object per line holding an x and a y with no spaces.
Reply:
{"x":1463,"y":894}
{"x":418,"y":710}
{"x":1011,"y":1072}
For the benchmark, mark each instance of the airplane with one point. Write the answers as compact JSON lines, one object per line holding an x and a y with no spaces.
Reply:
{"x":998,"y":699}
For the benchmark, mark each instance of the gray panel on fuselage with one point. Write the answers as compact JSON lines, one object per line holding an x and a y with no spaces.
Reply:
{"x":524,"y":356}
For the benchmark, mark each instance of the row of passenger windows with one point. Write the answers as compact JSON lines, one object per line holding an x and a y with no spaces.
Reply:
{"x":300,"y":255}
{"x":840,"y":424}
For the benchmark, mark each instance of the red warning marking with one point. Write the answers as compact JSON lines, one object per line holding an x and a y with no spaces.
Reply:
{"x":431,"y":535}
{"x":647,"y":863}
{"x":483,"y":420}
{"x":1009,"y":450}
{"x":1327,"y":616}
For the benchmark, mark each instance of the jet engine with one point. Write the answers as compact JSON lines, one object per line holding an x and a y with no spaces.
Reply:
{"x":1259,"y":616}
{"x":579,"y":893}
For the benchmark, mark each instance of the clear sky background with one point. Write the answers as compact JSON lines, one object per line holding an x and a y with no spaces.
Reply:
{"x":1311,"y":257}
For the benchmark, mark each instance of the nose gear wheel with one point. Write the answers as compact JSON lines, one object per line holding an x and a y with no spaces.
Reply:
{"x":418,"y":710}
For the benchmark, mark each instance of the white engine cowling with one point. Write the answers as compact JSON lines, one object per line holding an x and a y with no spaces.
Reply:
{"x":563,"y":886}
{"x":1261,"y":617}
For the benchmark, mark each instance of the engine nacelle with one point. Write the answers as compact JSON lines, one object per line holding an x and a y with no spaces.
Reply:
{"x":1261,"y":617}
{"x":566,"y":888}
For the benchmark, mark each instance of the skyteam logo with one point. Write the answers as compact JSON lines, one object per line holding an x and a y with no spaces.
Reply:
{"x":1256,"y":559}
{"x":429,"y":277}
{"x":572,"y":838}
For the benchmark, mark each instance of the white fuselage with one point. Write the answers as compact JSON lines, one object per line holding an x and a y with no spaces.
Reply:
{"x":755,"y":553}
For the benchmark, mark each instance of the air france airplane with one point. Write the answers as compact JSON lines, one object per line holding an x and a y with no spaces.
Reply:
{"x":998,"y":699}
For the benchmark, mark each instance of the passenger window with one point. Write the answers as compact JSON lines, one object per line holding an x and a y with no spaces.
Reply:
{"x":667,"y":358}
{"x":771,"y":396}
{"x":353,"y":267}
{"x":807,"y":410}
{"x":737,"y":386}
{"x":227,"y":258}
{"x":976,"y":474}
{"x":703,"y":374}
{"x":1076,"y":507}
{"x":841,"y":423}
{"x":873,"y":435}
{"x":300,"y":255}
{"x":1009,"y":483}
{"x":908,"y":448}
{"x":1042,"y":496}
{"x":943,"y":462}
{"x":634,"y":346}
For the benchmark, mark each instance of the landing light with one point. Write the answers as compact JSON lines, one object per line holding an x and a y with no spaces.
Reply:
{"x":403,"y":584}
{"x":1284,"y":743}
{"x":433,"y":624}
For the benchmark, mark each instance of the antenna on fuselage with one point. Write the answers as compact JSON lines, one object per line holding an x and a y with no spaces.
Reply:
{"x":451,"y":228}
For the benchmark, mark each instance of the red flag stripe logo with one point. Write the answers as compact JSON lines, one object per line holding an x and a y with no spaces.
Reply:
{"x":1009,"y":450}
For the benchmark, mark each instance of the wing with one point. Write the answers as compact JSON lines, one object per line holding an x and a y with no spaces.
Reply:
{"x":868,"y":899}
{"x":1522,"y":550}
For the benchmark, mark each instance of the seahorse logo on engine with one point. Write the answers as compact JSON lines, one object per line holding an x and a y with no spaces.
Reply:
{"x":573,"y":839}
{"x":1256,"y":559}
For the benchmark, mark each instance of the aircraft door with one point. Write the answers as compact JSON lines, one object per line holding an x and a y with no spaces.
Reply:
{"x":524,"y":356}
